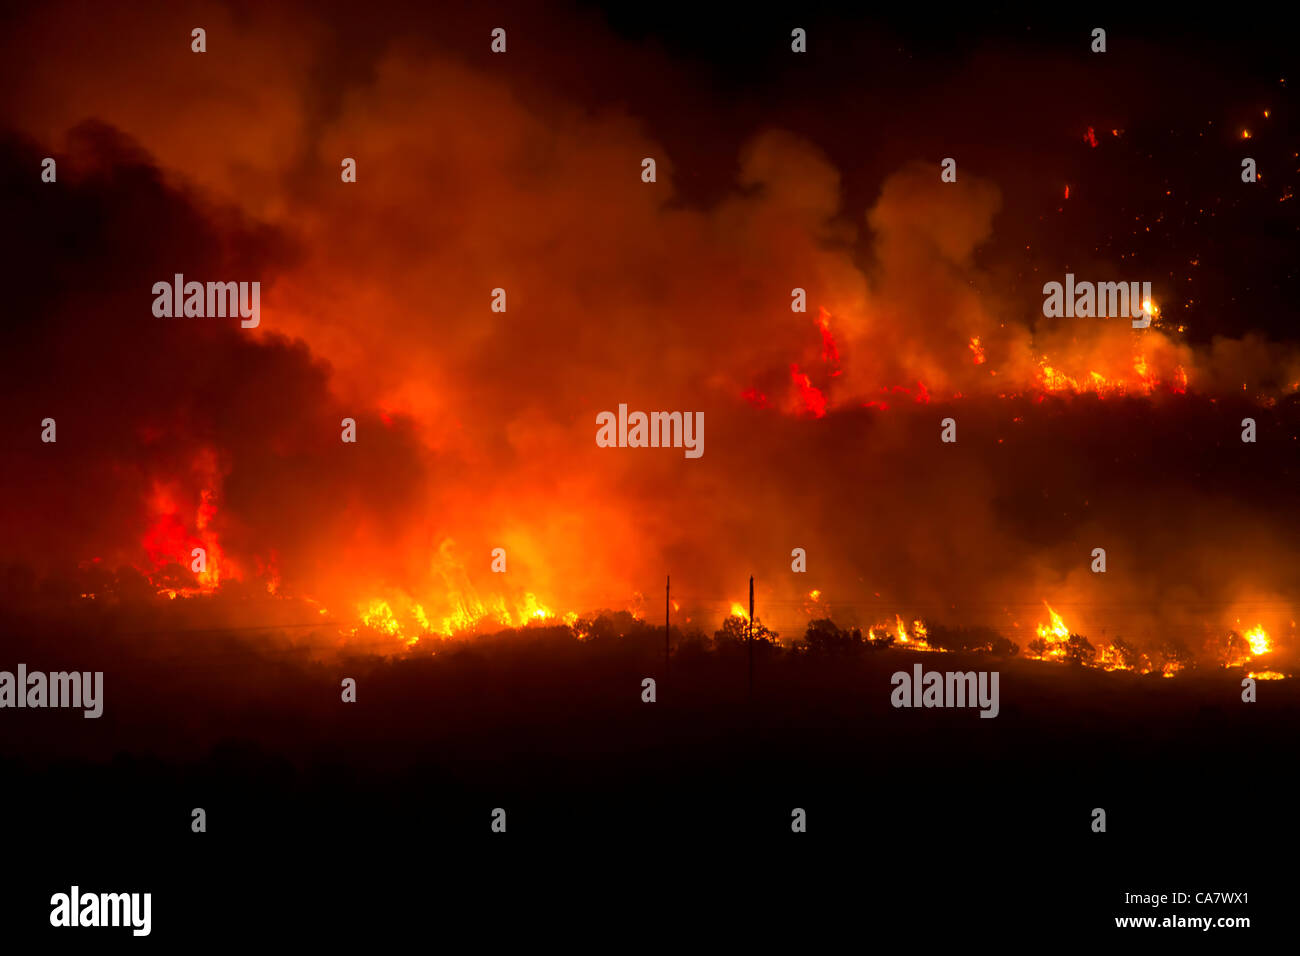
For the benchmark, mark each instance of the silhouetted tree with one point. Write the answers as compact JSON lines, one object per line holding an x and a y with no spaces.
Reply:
{"x":734,"y":631}
{"x":825,"y":637}
{"x":1079,"y":650}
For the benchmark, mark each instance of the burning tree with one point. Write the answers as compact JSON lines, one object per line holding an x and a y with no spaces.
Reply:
{"x":1124,"y":656}
{"x":735,"y":630}
{"x":1079,"y":650}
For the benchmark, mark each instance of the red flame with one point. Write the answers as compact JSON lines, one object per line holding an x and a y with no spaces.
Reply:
{"x":813,"y":400}
{"x":830,"y":352}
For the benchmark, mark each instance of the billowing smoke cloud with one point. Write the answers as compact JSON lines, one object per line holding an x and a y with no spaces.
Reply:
{"x":152,"y":413}
{"x":476,"y":427}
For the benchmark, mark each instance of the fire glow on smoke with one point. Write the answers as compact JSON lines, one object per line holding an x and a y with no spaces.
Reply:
{"x":476,"y":428}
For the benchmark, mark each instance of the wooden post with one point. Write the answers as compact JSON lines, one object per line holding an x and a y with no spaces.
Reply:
{"x":751,"y":636}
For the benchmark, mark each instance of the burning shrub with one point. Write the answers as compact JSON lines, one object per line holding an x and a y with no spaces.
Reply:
{"x":1234,"y":650}
{"x":1125,"y":655}
{"x":1174,"y":656}
{"x":1079,"y":650}
{"x":734,"y":630}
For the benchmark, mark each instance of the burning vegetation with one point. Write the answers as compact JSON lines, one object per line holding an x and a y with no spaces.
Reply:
{"x":398,"y":626}
{"x":826,"y":343}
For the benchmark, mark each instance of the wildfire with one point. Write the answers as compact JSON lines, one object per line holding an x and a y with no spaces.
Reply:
{"x":170,"y":545}
{"x":378,"y":616}
{"x":1055,"y":642}
{"x":471,"y":614}
{"x":1053,"y":637}
{"x":1242,"y":646}
{"x":406,"y":620}
{"x":1143,"y":381}
{"x":810,"y":396}
{"x":901,"y":630}
{"x":916,"y":640}
{"x":1258,"y":638}
{"x":830,"y":351}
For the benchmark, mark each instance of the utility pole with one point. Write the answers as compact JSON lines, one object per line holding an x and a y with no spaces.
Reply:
{"x":751,"y":637}
{"x":668,"y":583}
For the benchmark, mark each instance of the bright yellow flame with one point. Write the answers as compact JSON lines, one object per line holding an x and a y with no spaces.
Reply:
{"x":900,"y":629}
{"x":738,"y":611}
{"x":378,"y":616}
{"x":1056,"y":630}
{"x":1259,"y":640}
{"x":1054,"y":634}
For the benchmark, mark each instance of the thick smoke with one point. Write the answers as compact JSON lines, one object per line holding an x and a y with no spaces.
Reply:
{"x":477,"y":427}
